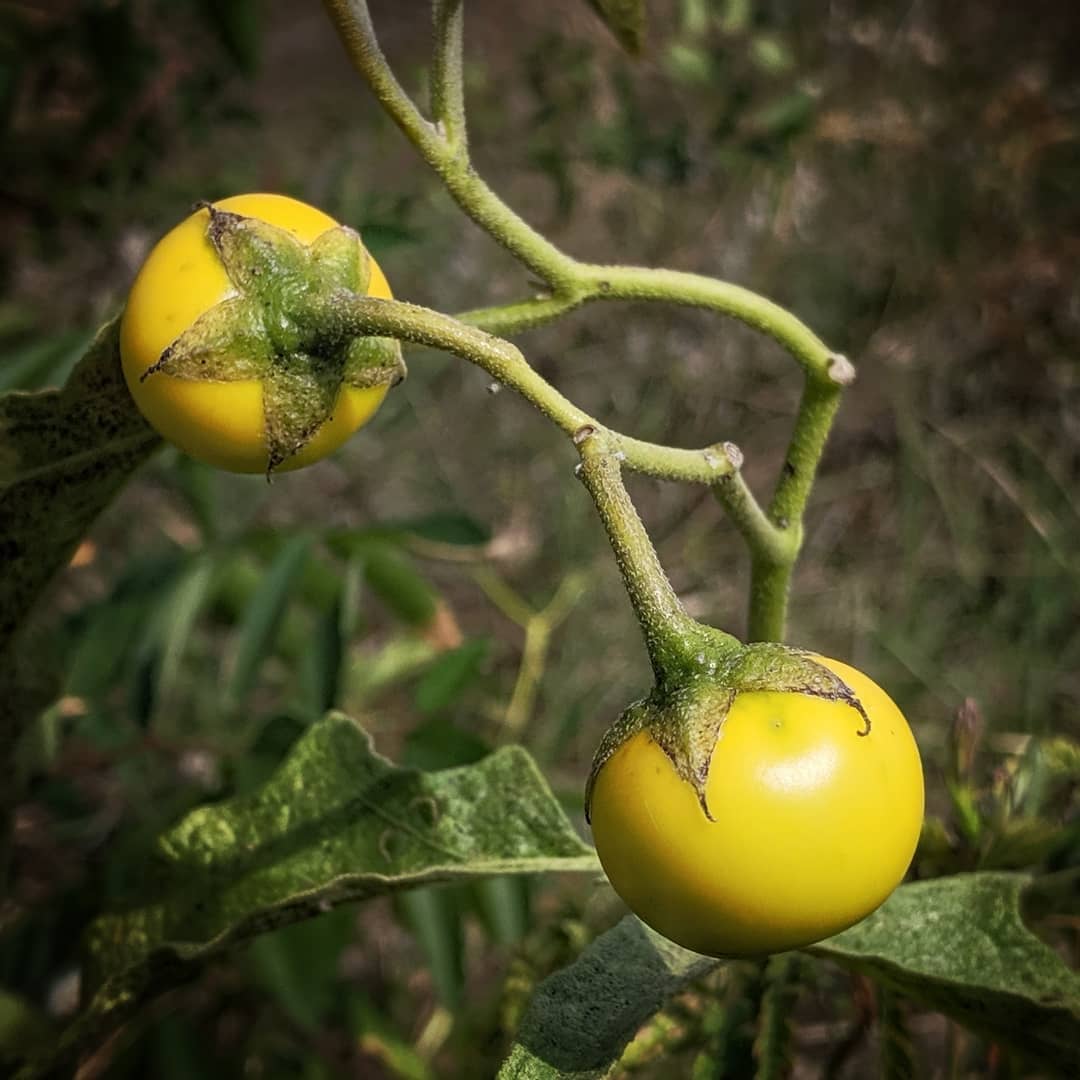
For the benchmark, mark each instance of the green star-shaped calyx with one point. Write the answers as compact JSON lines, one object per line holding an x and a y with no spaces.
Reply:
{"x":685,"y":716}
{"x":266,"y":331}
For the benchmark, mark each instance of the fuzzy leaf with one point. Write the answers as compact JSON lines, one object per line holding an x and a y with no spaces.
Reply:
{"x":958,"y":945}
{"x":581,"y":1018}
{"x":336,"y":823}
{"x":64,"y":454}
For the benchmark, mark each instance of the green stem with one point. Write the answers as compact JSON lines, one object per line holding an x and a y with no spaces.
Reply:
{"x":506,"y":320}
{"x":814,"y":420}
{"x":649,"y":284}
{"x":672,"y":638}
{"x":775,"y":549}
{"x":447,"y":79}
{"x":774,"y":537}
{"x":572,"y":281}
{"x":695,"y":290}
{"x":348,"y":315}
{"x":353,"y":22}
{"x":770,"y":586}
{"x":750,"y":519}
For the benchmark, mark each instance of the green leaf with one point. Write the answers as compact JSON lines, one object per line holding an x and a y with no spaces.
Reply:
{"x":626,"y":20}
{"x":22,"y":1026}
{"x":336,"y":823}
{"x":783,"y":118}
{"x":445,"y":680}
{"x":263,"y":616}
{"x":581,"y":1018}
{"x":322,"y":659}
{"x":236,"y":25}
{"x":298,"y":964}
{"x":42,"y":361}
{"x":182,"y":605}
{"x":393,"y":578}
{"x":503,"y":906}
{"x":958,"y":945}
{"x":435,"y":918}
{"x":446,"y":528}
{"x":440,"y":744}
{"x":106,"y":637}
{"x":458,"y":529}
{"x":64,"y":454}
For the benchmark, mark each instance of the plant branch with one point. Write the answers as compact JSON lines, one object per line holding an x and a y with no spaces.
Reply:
{"x":353,"y":22}
{"x":507,"y":320}
{"x":672,"y":638}
{"x":722,"y":297}
{"x":539,"y":626}
{"x":759,"y":532}
{"x":447,"y":78}
{"x":775,"y":536}
{"x":648,"y":284}
{"x":773,"y":551}
{"x":349,"y":315}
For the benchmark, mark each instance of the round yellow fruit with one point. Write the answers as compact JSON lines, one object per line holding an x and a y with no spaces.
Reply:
{"x":813,"y":825}
{"x":221,"y":423}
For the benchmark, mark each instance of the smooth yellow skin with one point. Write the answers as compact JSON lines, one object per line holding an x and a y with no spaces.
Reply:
{"x":814,"y":825}
{"x":220,"y":423}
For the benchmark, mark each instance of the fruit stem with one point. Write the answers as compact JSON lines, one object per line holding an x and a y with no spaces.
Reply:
{"x":344,"y":314}
{"x":673,"y":640}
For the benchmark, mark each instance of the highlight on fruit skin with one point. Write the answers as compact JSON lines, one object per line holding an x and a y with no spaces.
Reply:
{"x":198,"y":344}
{"x":808,"y":821}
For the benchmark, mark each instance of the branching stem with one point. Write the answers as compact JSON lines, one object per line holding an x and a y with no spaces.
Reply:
{"x":774,"y":536}
{"x":350,"y":315}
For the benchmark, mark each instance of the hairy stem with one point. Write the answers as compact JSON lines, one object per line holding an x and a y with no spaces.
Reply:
{"x":772,"y":563}
{"x":447,"y":78}
{"x":346,"y":314}
{"x":672,"y":638}
{"x":353,"y":22}
{"x":773,"y":536}
{"x":696,"y":290}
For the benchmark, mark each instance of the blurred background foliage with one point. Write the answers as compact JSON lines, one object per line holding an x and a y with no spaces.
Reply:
{"x":905,"y":177}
